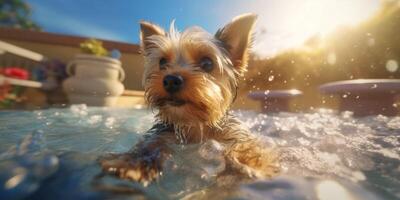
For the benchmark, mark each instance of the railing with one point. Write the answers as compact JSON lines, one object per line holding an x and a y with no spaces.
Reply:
{"x":11,"y":55}
{"x":10,"y":60}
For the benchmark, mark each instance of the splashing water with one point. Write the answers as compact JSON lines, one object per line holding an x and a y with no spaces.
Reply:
{"x":52,"y":154}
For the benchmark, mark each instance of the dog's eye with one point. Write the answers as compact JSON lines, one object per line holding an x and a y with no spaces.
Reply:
{"x":206,"y":64}
{"x":162,"y":63}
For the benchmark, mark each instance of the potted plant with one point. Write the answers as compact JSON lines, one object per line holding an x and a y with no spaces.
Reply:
{"x":95,"y":78}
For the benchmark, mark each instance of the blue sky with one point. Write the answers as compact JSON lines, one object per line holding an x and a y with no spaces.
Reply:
{"x":282,"y":24}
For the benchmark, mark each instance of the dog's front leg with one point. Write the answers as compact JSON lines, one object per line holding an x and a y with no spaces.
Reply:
{"x":252,"y":160}
{"x":246,"y":153}
{"x":145,"y":161}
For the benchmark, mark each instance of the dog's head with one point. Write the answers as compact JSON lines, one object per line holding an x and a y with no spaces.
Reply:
{"x":191,"y":77}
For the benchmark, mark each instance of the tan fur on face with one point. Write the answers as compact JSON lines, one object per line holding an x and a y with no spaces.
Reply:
{"x":208,"y":95}
{"x":206,"y":99}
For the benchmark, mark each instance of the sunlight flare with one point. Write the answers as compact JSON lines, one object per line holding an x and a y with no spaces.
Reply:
{"x":297,"y":21}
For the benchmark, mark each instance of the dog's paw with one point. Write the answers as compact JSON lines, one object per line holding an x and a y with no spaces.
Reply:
{"x":127,"y":166}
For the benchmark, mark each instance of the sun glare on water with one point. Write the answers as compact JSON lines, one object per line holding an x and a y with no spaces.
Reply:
{"x":288,"y":23}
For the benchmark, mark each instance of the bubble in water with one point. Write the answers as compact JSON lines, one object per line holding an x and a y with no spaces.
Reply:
{"x":94,"y":119}
{"x":80,"y":109}
{"x":328,"y":158}
{"x":392,"y":66}
{"x":110,"y":122}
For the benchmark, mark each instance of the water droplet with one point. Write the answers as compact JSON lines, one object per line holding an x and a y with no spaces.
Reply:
{"x":374,"y":86}
{"x":392,"y":66}
{"x":345,"y":96}
{"x":271,"y":78}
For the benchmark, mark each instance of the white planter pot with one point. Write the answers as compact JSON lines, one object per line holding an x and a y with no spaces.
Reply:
{"x":94,"y":80}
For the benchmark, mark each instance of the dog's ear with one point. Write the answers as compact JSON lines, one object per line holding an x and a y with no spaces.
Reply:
{"x":147,"y":30}
{"x":237,"y":39}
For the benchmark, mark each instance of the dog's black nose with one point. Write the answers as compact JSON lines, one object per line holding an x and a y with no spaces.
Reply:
{"x":173,"y":83}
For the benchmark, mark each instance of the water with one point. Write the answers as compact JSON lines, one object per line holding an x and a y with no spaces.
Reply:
{"x":324,"y":155}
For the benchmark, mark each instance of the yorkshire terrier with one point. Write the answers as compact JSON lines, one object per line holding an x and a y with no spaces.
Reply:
{"x":191,"y":79}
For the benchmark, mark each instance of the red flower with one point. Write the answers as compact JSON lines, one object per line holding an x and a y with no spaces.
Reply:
{"x":16,"y":72}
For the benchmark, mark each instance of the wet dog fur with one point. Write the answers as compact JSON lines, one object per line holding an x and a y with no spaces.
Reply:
{"x":191,"y":79}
